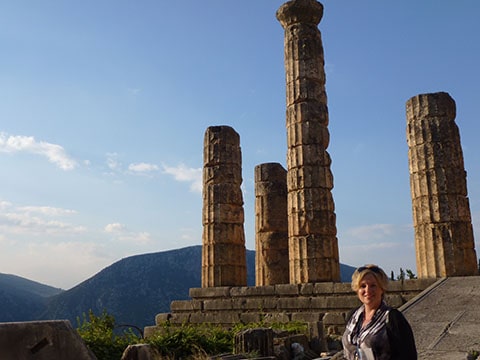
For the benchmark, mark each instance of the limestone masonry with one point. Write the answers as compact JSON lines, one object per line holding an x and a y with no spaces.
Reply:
{"x":313,"y":248}
{"x":223,"y":251}
{"x":441,"y":211}
{"x":271,"y":228}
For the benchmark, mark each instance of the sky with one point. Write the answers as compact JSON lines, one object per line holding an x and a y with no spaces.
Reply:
{"x":104,"y":105}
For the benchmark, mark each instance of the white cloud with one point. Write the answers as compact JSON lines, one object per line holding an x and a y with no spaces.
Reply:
{"x":36,"y":220}
{"x":121,"y":233}
{"x":142,"y":167}
{"x":184,"y":174}
{"x":114,"y":228}
{"x":375,"y":231}
{"x":53,"y":152}
{"x":112,"y":162}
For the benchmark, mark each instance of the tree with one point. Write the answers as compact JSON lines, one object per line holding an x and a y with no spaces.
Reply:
{"x":411,"y":274}
{"x":401,"y":276}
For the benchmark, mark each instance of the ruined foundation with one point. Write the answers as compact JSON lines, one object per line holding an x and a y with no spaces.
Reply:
{"x":441,"y":211}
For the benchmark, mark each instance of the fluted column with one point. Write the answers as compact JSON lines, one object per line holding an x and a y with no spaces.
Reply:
{"x":271,"y":228}
{"x":223,"y":250}
{"x":441,"y":211}
{"x":312,"y":229}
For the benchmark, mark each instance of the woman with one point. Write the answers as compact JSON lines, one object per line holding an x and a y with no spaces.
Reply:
{"x":376,"y":331}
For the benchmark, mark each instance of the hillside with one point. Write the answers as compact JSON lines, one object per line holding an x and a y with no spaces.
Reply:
{"x":133,"y":289}
{"x":136,"y":288}
{"x":22,"y":299}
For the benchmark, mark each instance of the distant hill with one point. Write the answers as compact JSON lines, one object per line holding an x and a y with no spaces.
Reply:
{"x":133,"y":289}
{"x":22,"y":299}
{"x":136,"y":288}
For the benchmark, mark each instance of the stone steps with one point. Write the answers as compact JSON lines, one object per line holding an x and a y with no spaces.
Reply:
{"x":326,"y":303}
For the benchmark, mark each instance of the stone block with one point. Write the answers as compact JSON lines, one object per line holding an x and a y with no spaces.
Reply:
{"x":208,"y":292}
{"x":217,"y":304}
{"x":240,"y":291}
{"x":342,"y":288}
{"x":186,"y":305}
{"x":326,"y":288}
{"x":307,"y":316}
{"x":42,"y":340}
{"x":250,"y":317}
{"x":270,"y":303}
{"x":277,"y":317}
{"x":149,"y":331}
{"x":342,"y":302}
{"x":181,"y":318}
{"x":318,"y":303}
{"x":162,"y":318}
{"x":287,"y":289}
{"x":418,"y":284}
{"x":333,"y":318}
{"x":307,"y":289}
{"x":290,"y":303}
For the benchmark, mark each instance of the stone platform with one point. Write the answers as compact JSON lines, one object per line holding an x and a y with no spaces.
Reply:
{"x":325,"y":303}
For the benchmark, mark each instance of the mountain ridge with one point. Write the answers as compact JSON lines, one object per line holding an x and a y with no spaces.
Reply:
{"x":133,"y":289}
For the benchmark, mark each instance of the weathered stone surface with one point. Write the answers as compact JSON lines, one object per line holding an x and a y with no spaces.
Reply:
{"x":440,"y":207}
{"x":313,"y":248}
{"x":42,"y":340}
{"x":271,"y":227}
{"x":259,"y":340}
{"x":141,"y":352}
{"x":223,"y":251}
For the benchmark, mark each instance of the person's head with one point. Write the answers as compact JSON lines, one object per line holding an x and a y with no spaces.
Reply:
{"x":370,"y":281}
{"x":376,"y":271}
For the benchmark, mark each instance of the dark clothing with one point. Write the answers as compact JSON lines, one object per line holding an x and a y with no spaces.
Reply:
{"x":388,"y":336}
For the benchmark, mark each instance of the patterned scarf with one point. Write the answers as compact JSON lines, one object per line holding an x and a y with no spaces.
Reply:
{"x":356,"y":334}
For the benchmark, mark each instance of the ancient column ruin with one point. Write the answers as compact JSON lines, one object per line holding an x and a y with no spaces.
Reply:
{"x":441,"y":211}
{"x":271,"y":228}
{"x":223,"y":250}
{"x":313,"y":246}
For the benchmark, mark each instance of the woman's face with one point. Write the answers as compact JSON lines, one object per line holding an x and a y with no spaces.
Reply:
{"x":369,"y":292}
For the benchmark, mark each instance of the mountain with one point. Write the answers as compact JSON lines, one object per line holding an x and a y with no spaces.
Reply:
{"x":133,"y":289}
{"x":22,"y":299}
{"x":136,"y":288}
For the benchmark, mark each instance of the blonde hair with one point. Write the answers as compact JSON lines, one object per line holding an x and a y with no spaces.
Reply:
{"x":376,"y":271}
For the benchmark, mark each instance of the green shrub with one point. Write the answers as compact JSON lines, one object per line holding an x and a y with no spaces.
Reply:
{"x":100,"y":337}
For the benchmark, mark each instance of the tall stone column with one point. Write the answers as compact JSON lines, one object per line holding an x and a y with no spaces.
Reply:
{"x":271,"y":228}
{"x":313,"y":246}
{"x":223,"y":251}
{"x":441,"y":211}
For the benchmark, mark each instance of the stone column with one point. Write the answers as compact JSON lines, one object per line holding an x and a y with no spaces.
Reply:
{"x":271,"y":228}
{"x":313,"y":246}
{"x":441,"y":211}
{"x":223,"y":251}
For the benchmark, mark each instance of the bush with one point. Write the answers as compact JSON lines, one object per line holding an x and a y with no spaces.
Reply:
{"x":100,"y":337}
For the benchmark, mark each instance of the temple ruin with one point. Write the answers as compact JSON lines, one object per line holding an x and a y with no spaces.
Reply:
{"x":313,"y":248}
{"x":271,"y":227}
{"x":297,"y":261}
{"x":441,"y":212}
{"x":223,"y":251}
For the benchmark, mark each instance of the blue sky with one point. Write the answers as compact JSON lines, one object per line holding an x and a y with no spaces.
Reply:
{"x":104,"y":104}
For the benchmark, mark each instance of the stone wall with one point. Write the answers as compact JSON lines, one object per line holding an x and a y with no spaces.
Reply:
{"x":326,"y":302}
